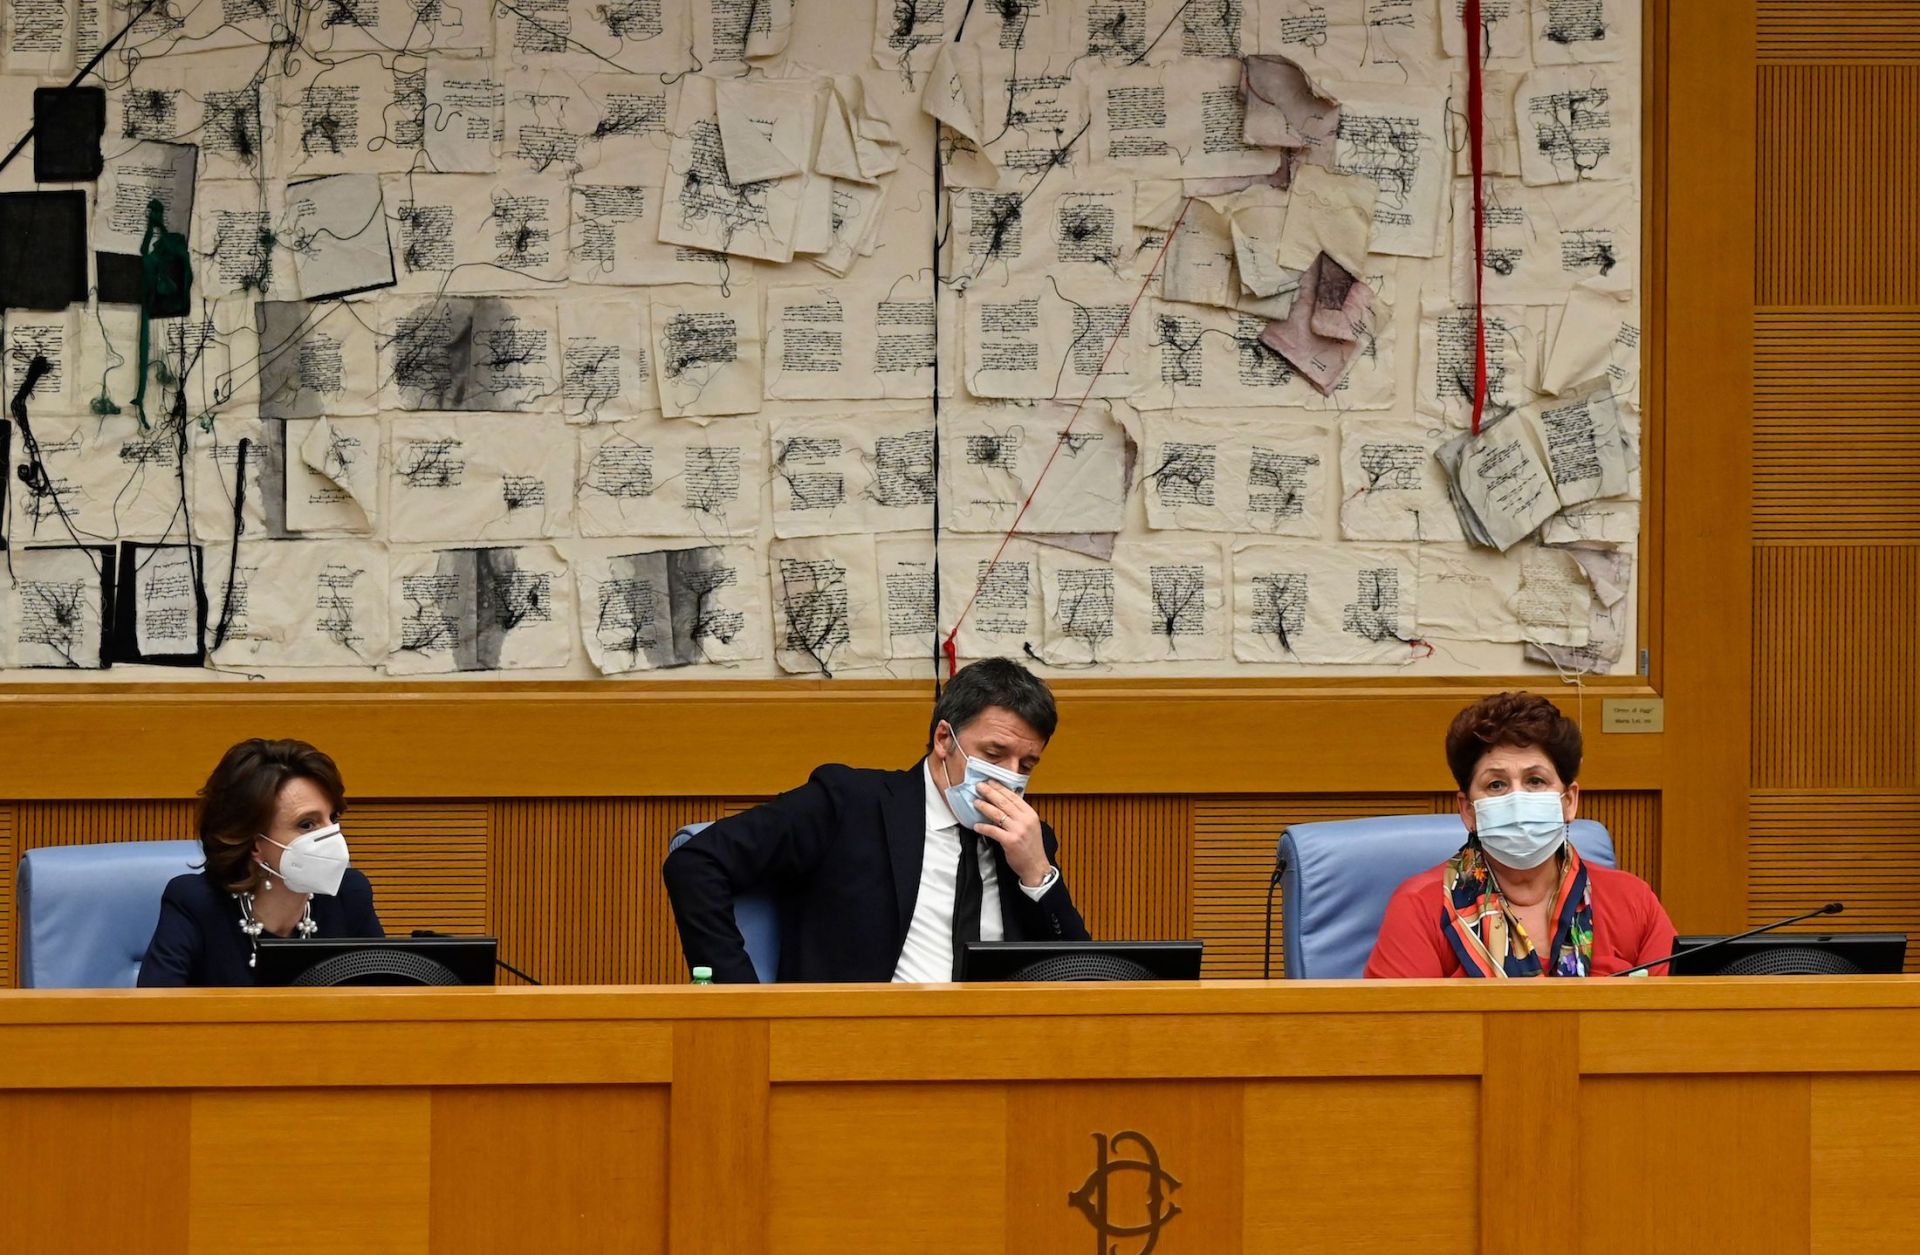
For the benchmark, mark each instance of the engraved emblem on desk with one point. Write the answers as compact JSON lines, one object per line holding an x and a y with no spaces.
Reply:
{"x":1126,"y":1198}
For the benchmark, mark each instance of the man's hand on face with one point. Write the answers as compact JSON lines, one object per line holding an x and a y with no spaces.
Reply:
{"x":1016,"y":826}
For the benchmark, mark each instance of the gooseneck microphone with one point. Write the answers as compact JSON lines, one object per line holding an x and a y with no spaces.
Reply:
{"x":1831,"y":908}
{"x":1266,"y":961}
{"x":498,"y":961}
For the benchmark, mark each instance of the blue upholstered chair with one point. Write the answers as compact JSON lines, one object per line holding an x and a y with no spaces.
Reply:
{"x":87,"y":911}
{"x":1337,"y":876}
{"x":754,"y":913}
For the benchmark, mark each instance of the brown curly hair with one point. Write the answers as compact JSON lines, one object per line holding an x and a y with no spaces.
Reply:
{"x":1520,"y":719}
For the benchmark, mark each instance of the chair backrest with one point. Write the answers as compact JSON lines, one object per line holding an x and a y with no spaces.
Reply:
{"x":753,"y":913}
{"x":1339,"y":875}
{"x":87,"y":912}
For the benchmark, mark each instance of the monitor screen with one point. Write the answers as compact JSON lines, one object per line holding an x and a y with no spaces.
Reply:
{"x":1080,"y":960}
{"x":1793,"y":954}
{"x":317,"y":961}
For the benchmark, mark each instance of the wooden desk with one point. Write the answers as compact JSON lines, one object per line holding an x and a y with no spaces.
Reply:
{"x":1739,"y":1116}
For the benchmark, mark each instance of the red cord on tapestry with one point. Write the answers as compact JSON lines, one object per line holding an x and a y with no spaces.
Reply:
{"x":1470,"y":15}
{"x":947,"y":646}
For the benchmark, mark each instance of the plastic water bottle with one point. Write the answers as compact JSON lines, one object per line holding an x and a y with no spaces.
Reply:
{"x":703,"y":976}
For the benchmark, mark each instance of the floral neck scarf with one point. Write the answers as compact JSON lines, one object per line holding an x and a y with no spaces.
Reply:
{"x":1486,"y":935}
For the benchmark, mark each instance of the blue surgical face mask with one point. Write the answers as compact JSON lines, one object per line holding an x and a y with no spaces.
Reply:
{"x":963,"y":797}
{"x":1520,"y":830}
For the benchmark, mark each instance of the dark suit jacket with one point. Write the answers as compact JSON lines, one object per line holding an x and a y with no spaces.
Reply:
{"x":842,"y":856}
{"x":198,"y":939}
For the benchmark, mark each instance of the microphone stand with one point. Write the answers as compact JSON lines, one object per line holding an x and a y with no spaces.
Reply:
{"x":1266,"y":961}
{"x":1831,"y":908}
{"x":498,"y":961}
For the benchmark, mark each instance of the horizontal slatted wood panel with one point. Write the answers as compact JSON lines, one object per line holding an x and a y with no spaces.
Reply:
{"x":1127,"y":861}
{"x":1861,"y":848}
{"x":1836,"y":424}
{"x":1836,"y":681}
{"x":1838,"y":30}
{"x":1838,"y":212}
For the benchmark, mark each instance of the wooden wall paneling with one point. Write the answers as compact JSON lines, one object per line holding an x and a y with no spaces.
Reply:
{"x":1309,"y":1141}
{"x":936,"y":1153}
{"x":92,"y":822}
{"x":1127,"y":861}
{"x":719,"y":1126}
{"x":1741,"y":1141}
{"x":1861,"y":848}
{"x":1529,"y":1184}
{"x":1839,"y":30}
{"x":1234,"y":843}
{"x":1633,"y":819}
{"x":1701,"y":124}
{"x":1196,"y":1132}
{"x":1836,"y":424}
{"x":576,"y":896}
{"x":427,"y":861}
{"x":1836,"y":667}
{"x":562,"y":1170}
{"x":1866,"y":1164}
{"x":368,"y":1151}
{"x":124,"y":1153}
{"x":1839,"y":205}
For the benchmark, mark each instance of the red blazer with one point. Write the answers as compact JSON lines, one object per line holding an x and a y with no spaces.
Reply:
{"x":1630,"y":927}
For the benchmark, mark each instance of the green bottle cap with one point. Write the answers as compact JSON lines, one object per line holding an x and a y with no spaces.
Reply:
{"x":703,"y":976}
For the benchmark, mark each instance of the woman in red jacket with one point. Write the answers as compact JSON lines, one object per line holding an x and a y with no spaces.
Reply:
{"x":1517,"y":899}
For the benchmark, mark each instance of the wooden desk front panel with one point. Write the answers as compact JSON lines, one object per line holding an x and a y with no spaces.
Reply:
{"x":1702,"y":1117}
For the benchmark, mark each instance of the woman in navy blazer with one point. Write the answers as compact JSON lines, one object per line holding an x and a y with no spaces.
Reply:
{"x":276,"y":866}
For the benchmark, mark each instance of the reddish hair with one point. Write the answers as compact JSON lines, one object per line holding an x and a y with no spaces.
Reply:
{"x":1519,"y":719}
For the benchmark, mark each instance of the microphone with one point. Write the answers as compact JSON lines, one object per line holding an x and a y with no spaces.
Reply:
{"x":498,"y":961}
{"x":1266,"y":961}
{"x":1831,"y":908}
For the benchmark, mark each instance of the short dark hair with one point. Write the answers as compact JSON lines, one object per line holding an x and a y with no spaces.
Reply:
{"x":1520,"y":719}
{"x":237,"y":802}
{"x":998,"y":682}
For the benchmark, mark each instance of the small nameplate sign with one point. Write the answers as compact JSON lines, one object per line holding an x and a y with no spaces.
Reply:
{"x":1633,"y":714}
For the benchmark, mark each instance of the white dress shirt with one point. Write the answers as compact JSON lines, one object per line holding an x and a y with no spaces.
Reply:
{"x":928,"y":955}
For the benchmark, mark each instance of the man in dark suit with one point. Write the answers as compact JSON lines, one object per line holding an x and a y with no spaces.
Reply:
{"x":884,"y":875}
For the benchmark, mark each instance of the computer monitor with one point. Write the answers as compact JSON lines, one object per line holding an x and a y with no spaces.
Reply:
{"x":1080,"y":960}
{"x":315,"y":961}
{"x":1793,"y":954}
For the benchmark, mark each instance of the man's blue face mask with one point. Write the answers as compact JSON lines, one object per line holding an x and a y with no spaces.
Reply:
{"x":965,"y":796}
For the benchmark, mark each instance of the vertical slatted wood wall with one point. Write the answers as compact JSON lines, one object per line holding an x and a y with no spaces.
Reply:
{"x":1836,"y":432}
{"x":572,"y":886}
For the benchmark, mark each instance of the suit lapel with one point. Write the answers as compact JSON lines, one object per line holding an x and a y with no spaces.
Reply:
{"x":905,"y":818}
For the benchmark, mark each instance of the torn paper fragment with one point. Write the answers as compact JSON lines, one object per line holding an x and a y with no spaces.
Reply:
{"x":1328,"y":213}
{"x":1500,"y":482}
{"x":826,"y":605}
{"x":1321,"y":360}
{"x":1284,"y":107}
{"x":1598,"y":335}
{"x":994,"y":457}
{"x":658,"y":477}
{"x":1323,"y":604}
{"x":997,"y":589}
{"x":479,"y":476}
{"x":1585,"y":447}
{"x":646,"y":609}
{"x":706,"y":351}
{"x":308,"y":603}
{"x":1391,"y":486}
{"x":1151,"y":602}
{"x":479,"y":609}
{"x":1577,"y":124}
{"x":1397,"y":139}
{"x":860,"y":474}
{"x":333,"y":484}
{"x":1207,"y":474}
